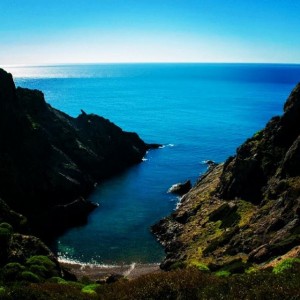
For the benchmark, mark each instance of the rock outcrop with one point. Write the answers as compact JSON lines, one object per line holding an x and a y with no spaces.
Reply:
{"x":245,"y":211}
{"x":180,"y":188}
{"x":48,"y":159}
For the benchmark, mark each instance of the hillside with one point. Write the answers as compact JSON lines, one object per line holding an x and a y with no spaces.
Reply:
{"x":50,"y":161}
{"x":244,"y":212}
{"x":241,"y":216}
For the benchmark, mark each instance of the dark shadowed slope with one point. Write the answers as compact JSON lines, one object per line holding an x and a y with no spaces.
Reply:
{"x":49,"y":160}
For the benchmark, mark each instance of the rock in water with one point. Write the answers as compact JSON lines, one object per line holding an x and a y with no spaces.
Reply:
{"x":48,"y":158}
{"x":180,"y":188}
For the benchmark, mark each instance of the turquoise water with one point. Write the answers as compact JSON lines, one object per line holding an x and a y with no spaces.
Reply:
{"x":198,"y":111}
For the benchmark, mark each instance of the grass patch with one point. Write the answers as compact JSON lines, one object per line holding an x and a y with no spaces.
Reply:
{"x":199,"y":265}
{"x":245,"y":211}
{"x":285,"y":265}
{"x":90,"y":289}
{"x":223,"y":273}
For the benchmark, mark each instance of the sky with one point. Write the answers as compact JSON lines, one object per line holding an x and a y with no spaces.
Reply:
{"x":105,"y":31}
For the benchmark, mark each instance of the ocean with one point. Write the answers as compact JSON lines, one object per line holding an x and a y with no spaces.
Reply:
{"x":198,"y":112}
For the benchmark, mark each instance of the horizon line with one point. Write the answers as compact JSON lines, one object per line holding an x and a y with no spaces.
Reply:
{"x":143,"y":62}
{"x":147,"y":62}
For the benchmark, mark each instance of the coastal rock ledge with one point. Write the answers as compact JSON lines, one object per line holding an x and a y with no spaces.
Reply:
{"x":50,"y":161}
{"x":245,"y":212}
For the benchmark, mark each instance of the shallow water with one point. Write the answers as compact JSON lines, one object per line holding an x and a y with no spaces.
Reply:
{"x":199,"y":111}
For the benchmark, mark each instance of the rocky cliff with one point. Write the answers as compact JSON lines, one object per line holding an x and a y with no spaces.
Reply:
{"x":244,"y":212}
{"x":50,"y":161}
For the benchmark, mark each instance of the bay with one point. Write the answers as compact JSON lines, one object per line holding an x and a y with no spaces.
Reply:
{"x":197,"y":111}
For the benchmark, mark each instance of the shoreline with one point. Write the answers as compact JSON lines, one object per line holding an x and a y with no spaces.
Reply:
{"x":97,"y":272}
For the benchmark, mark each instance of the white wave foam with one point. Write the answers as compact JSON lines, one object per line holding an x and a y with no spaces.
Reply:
{"x":63,"y":259}
{"x":177,"y":205}
{"x":207,"y":162}
{"x":167,"y":145}
{"x":92,"y":265}
{"x":177,"y":202}
{"x":144,"y":159}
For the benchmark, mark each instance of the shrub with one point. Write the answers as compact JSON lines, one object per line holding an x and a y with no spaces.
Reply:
{"x":40,"y":260}
{"x":41,"y":271}
{"x":47,"y":291}
{"x":7,"y":226}
{"x":58,"y":280}
{"x":61,"y":281}
{"x":42,"y":266}
{"x":285,"y":264}
{"x":200,"y":266}
{"x":6,"y":231}
{"x":251,"y":270}
{"x":90,"y":289}
{"x":29,"y":276}
{"x":2,"y":291}
{"x":223,"y":273}
{"x":12,"y":271}
{"x":188,"y":283}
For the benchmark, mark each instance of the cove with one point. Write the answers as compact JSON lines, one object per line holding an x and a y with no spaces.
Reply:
{"x":197,"y":111}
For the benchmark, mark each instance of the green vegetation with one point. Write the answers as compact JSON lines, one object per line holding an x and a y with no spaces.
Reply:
{"x":39,"y":270}
{"x":30,"y":277}
{"x":188,"y":283}
{"x":90,"y":289}
{"x":12,"y":271}
{"x":7,"y":226}
{"x":235,"y":266}
{"x":2,"y":291}
{"x":40,"y":260}
{"x":285,"y":265}
{"x":223,"y":273}
{"x":258,"y":135}
{"x":42,"y":266}
{"x":57,"y":280}
{"x":36,"y":269}
{"x":6,"y":231}
{"x":200,"y":266}
{"x":252,"y":269}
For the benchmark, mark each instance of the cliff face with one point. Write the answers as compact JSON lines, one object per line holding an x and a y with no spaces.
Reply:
{"x":245,"y":211}
{"x":48,"y":159}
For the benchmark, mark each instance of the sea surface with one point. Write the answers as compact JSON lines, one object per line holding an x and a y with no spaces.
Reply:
{"x":197,"y":111}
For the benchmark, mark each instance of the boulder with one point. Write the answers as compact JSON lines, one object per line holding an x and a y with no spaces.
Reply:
{"x":180,"y":188}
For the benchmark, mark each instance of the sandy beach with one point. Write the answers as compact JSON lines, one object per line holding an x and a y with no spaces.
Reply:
{"x":101,"y":272}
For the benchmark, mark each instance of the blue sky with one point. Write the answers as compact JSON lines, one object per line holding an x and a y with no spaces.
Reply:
{"x":78,"y":31}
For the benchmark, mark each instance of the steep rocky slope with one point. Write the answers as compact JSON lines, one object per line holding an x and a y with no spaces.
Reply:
{"x":246,"y":211}
{"x":49,"y":161}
